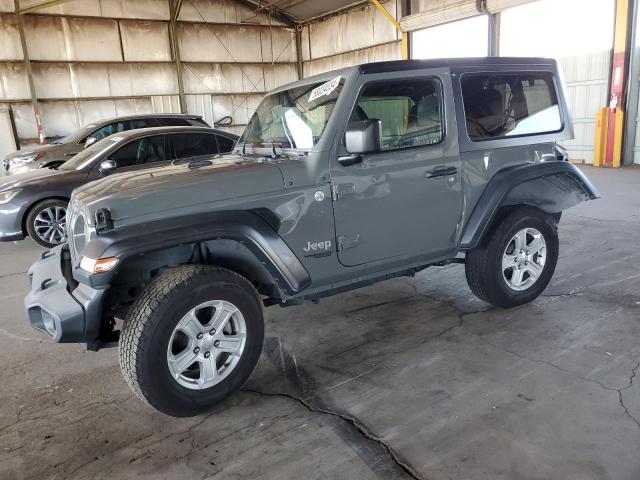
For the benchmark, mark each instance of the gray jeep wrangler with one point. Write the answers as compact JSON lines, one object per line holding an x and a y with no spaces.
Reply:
{"x":339,"y":181}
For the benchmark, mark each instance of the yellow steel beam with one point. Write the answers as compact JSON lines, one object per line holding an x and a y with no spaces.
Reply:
{"x":405,"y":35}
{"x":615,"y":127}
{"x":41,"y":5}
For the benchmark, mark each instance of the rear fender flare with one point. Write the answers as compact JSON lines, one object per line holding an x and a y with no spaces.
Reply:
{"x":550,"y":186}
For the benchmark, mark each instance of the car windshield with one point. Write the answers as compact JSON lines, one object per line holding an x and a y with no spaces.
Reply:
{"x":85,"y":157}
{"x":75,"y":136}
{"x":294,"y":118}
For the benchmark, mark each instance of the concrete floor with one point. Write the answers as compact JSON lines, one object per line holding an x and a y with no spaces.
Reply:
{"x":409,"y":378}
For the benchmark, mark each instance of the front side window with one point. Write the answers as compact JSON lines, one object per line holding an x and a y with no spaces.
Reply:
{"x":140,"y":151}
{"x":107,"y":130}
{"x":410,"y":111}
{"x":294,"y":118}
{"x":194,"y":144}
{"x":502,"y":105}
{"x":225,"y":144}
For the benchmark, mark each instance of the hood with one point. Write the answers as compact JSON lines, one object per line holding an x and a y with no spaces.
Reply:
{"x":176,"y":190}
{"x":35,"y":149}
{"x":20,"y":180}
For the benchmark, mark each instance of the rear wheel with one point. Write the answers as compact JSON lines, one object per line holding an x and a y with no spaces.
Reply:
{"x":191,"y":339}
{"x":47,"y":222}
{"x":517,"y":261}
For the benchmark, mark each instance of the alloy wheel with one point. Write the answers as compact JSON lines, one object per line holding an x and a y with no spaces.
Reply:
{"x":206,"y":344}
{"x":51,"y":225}
{"x":523,"y":259}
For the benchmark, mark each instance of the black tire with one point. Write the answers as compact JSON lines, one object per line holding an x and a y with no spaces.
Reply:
{"x":30,"y":222}
{"x":483,"y":265}
{"x":151,"y":321}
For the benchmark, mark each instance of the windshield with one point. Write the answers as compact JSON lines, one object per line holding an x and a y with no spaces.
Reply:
{"x":75,"y":136}
{"x":293,"y":118}
{"x":85,"y":157}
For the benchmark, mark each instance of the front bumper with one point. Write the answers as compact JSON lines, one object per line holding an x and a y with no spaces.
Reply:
{"x":66,"y":311}
{"x":11,"y":222}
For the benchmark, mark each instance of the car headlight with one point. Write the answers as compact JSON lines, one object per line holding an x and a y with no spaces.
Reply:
{"x":6,"y":197}
{"x":99,"y":265}
{"x":28,"y":157}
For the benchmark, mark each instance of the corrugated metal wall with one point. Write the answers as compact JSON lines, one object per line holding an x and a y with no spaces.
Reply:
{"x":586,"y":78}
{"x":359,"y":36}
{"x":93,"y":59}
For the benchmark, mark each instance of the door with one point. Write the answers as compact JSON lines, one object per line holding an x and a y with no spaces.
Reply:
{"x":405,"y":199}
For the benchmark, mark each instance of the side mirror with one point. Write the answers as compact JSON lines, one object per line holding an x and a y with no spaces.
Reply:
{"x":362,"y":136}
{"x":90,"y":141}
{"x":107,"y":166}
{"x":223,"y":122}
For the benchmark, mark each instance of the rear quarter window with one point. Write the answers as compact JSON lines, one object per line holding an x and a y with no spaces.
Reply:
{"x":174,"y":122}
{"x":198,"y":122}
{"x":506,"y":105}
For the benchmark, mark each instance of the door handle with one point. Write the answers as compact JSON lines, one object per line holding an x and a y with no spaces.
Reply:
{"x":348,"y":160}
{"x":441,"y":172}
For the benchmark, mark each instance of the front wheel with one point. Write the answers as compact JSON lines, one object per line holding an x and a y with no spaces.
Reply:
{"x":191,"y":339}
{"x":517,"y":261}
{"x":47,"y":222}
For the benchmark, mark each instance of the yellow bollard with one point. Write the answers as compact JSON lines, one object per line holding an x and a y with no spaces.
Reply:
{"x":602,"y":129}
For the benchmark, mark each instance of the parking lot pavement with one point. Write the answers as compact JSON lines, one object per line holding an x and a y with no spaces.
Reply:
{"x":412,"y":377}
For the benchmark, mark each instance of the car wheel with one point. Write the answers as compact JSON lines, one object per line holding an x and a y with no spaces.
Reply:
{"x":517,"y":261}
{"x":47,"y":222}
{"x":191,"y":339}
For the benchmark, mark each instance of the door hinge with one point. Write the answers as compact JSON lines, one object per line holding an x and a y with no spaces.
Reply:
{"x":341,"y":190}
{"x":346,"y":242}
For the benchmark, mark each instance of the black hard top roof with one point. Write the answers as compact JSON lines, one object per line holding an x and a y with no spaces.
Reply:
{"x":400,"y":65}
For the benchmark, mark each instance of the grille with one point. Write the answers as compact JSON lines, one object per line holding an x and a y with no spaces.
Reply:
{"x":75,"y":231}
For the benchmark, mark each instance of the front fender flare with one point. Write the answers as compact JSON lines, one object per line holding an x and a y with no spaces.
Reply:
{"x":551,"y":186}
{"x":246,"y":227}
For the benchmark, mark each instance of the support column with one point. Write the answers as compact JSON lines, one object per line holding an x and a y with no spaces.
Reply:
{"x":174,"y":8}
{"x":609,"y":152}
{"x":299,"y":52}
{"x":27,"y":64}
{"x":494,"y":34}
{"x":633,"y":90}
{"x":405,"y":35}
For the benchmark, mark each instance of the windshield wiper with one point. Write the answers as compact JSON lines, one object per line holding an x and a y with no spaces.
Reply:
{"x":273,"y":144}
{"x":193,"y":161}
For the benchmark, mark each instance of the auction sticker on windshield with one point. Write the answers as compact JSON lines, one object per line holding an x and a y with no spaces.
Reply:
{"x":324,"y":89}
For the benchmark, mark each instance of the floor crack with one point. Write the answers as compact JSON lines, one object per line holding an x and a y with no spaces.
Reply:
{"x":600,"y":384}
{"x":352,"y":421}
{"x":626,"y":410}
{"x":629,"y":222}
{"x":12,"y":274}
